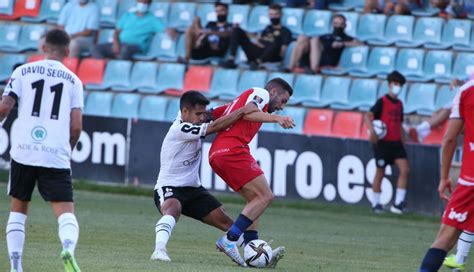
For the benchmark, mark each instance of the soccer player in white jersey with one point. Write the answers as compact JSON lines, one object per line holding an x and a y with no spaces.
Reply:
{"x":178,"y":189}
{"x":49,"y":123}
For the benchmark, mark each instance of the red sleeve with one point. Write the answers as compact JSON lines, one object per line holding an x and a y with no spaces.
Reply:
{"x":218,"y":111}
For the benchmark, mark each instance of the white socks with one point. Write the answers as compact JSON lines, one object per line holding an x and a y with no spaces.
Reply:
{"x":68,"y":231}
{"x":163,"y":230}
{"x":464,"y":245}
{"x":375,"y":199}
{"x":15,"y":232}
{"x":400,"y":196}
{"x":423,"y":129}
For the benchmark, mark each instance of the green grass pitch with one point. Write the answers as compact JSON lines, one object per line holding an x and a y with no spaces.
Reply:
{"x":117,"y":234}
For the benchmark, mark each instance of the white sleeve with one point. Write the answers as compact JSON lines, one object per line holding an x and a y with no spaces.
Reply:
{"x":77,"y":97}
{"x":188,"y":132}
{"x":259,"y":96}
{"x":455,"y":110}
{"x":13,"y":87}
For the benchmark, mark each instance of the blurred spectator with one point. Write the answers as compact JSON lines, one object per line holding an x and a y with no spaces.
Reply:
{"x":317,"y":4}
{"x":211,"y":41}
{"x":80,"y":19}
{"x":324,"y":51}
{"x":450,"y":8}
{"x":133,"y":33}
{"x":387,"y":6}
{"x":270,"y":46}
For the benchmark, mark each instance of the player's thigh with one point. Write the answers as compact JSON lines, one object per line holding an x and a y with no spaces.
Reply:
{"x":257,"y":187}
{"x":169,"y":200}
{"x":200,"y":203}
{"x":21,"y":182}
{"x":218,"y":218}
{"x":55,"y":185}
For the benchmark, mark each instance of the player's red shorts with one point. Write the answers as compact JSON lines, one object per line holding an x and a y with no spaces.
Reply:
{"x":460,"y":210}
{"x":236,"y":167}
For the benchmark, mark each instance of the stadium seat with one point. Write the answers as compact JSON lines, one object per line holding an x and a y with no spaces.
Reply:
{"x":364,"y":131}
{"x":180,"y":47}
{"x":455,"y":32}
{"x":352,"y":20}
{"x":362,"y":95}
{"x":436,"y":135}
{"x":463,"y":66}
{"x":344,"y":5}
{"x":117,"y":75}
{"x":293,"y":20}
{"x":108,"y":12}
{"x":9,"y":37}
{"x":444,"y":96}
{"x":248,"y":79}
{"x":91,"y":71}
{"x":371,"y":28}
{"x":258,"y":19}
{"x":206,"y":13}
{"x":49,"y":11}
{"x":198,"y":78}
{"x":125,"y":105}
{"x":9,"y":63}
{"x":298,"y":115}
{"x":125,"y":6}
{"x":153,"y":108}
{"x":335,"y":89}
{"x":347,"y":124}
{"x":318,"y":122}
{"x":72,"y":64}
{"x":30,"y":36}
{"x":410,"y":64}
{"x":352,"y":59}
{"x":425,"y":10}
{"x":420,"y":99}
{"x":238,"y":14}
{"x":427,"y":31}
{"x":288,"y":77}
{"x":170,"y":77}
{"x":317,"y":22}
{"x":23,"y":8}
{"x":98,"y":104}
{"x":162,"y":47}
{"x":106,"y":35}
{"x":7,"y":7}
{"x":399,"y":29}
{"x":307,"y":89}
{"x":143,"y":77}
{"x":172,"y":109}
{"x":438,"y":65}
{"x":381,"y":62}
{"x":224,"y":81}
{"x":160,"y":10}
{"x":181,"y":15}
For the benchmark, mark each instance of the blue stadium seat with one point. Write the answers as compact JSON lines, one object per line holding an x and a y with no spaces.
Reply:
{"x":9,"y":37}
{"x":7,"y":7}
{"x":206,"y":13}
{"x":352,"y":59}
{"x":288,"y":77}
{"x":172,"y":109}
{"x":425,"y":10}
{"x":238,"y":14}
{"x":371,"y":28}
{"x":160,"y":10}
{"x":352,"y":21}
{"x":162,"y":47}
{"x":438,"y":65}
{"x":317,"y":22}
{"x":269,"y":127}
{"x":444,"y":97}
{"x":420,"y":99}
{"x":125,"y":105}
{"x":399,"y":29}
{"x":125,"y":6}
{"x":116,"y":75}
{"x":153,"y":108}
{"x":335,"y":90}
{"x":180,"y":47}
{"x":468,"y":47}
{"x":258,"y":19}
{"x":224,"y":81}
{"x":381,"y":62}
{"x":30,"y":36}
{"x":49,"y":11}
{"x":98,"y":104}
{"x":10,"y":62}
{"x":181,"y":15}
{"x":248,"y":79}
{"x":170,"y":76}
{"x":106,"y":35}
{"x":410,"y":64}
{"x":463,"y":65}
{"x":293,"y":20}
{"x":298,"y":115}
{"x":344,"y":5}
{"x":362,"y":95}
{"x":108,"y":12}
{"x":456,"y":32}
{"x":427,"y":30}
{"x":144,"y":76}
{"x":307,"y":90}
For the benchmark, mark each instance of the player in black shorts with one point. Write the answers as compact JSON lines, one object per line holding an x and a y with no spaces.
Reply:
{"x":389,"y":150}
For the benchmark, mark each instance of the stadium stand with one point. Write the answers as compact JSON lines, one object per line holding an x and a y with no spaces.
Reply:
{"x":8,"y":63}
{"x":125,"y":105}
{"x":153,"y":108}
{"x":144,"y":77}
{"x":224,"y":82}
{"x":347,"y":124}
{"x":318,"y":122}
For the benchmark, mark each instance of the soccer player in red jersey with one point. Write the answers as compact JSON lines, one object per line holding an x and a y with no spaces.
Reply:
{"x":458,"y":215}
{"x":230,"y":158}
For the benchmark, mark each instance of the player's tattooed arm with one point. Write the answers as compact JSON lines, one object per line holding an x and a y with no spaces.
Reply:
{"x":6,"y":105}
{"x":76,"y":126}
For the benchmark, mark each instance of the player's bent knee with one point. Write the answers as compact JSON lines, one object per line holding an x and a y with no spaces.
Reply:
{"x":172,"y":207}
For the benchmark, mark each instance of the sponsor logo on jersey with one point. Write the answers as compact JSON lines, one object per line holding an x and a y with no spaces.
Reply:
{"x":257,"y":99}
{"x":460,"y":217}
{"x":39,"y":133}
{"x":168,"y":192}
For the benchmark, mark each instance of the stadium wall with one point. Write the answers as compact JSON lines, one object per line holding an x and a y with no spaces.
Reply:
{"x":298,"y":166}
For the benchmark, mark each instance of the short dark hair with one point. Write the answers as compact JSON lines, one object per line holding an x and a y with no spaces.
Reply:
{"x":275,"y":7}
{"x":57,"y":38}
{"x":395,"y":76}
{"x":279,"y":82}
{"x":226,"y":6}
{"x":339,"y":16}
{"x":192,"y":98}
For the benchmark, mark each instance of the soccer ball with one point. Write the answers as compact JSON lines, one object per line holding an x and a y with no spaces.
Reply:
{"x":257,"y":253}
{"x":380,"y":129}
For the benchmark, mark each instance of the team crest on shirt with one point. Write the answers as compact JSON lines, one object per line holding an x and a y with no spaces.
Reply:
{"x":168,"y":192}
{"x":257,"y":99}
{"x":381,"y":163}
{"x":39,"y":134}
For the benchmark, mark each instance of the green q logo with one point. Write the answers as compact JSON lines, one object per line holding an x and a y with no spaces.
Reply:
{"x":38,"y":134}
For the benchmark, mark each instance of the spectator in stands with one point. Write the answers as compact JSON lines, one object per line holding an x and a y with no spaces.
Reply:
{"x":450,"y":8}
{"x":270,"y":45}
{"x":388,"y":6}
{"x":317,"y":4}
{"x":133,"y":34}
{"x":324,"y":51}
{"x":80,"y":19}
{"x":211,"y":41}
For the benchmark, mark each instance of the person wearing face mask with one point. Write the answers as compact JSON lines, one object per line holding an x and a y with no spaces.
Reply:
{"x":80,"y":19}
{"x":269,"y":46}
{"x":390,"y":149}
{"x":323,"y":51}
{"x":133,"y":33}
{"x":211,"y":41}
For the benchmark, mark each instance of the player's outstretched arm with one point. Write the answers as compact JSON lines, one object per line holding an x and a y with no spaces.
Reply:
{"x":455,"y":127}
{"x":76,"y":127}
{"x":6,"y":105}
{"x":224,"y":122}
{"x":263,"y":117}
